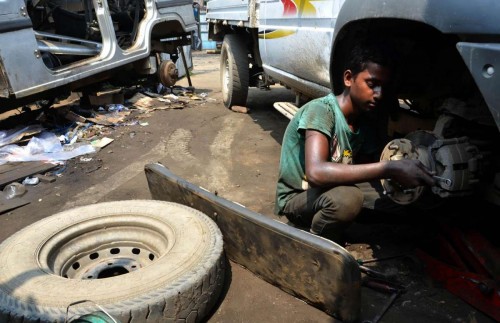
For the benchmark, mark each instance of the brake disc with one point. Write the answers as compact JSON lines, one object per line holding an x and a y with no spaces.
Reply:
{"x":168,"y":73}
{"x":405,"y":148}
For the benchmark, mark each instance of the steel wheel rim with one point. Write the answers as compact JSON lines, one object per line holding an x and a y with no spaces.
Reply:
{"x":105,"y":247}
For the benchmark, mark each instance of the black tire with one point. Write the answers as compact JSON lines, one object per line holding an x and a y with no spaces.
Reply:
{"x":177,"y":253}
{"x":234,"y":71}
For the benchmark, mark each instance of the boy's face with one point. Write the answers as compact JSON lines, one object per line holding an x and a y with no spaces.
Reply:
{"x":368,"y":86}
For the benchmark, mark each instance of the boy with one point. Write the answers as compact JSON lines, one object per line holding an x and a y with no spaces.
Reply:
{"x":317,"y":178}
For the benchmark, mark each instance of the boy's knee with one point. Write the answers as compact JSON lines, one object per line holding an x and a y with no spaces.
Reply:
{"x":348,"y":201}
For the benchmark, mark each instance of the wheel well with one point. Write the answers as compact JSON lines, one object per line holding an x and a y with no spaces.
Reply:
{"x":166,"y":29}
{"x":430,"y":68}
{"x":250,"y":35}
{"x":251,"y":38}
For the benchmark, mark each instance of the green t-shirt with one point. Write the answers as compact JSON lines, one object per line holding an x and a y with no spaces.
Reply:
{"x":324,"y":115}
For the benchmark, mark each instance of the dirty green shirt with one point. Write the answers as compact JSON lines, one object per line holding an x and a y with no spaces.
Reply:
{"x":324,"y":115}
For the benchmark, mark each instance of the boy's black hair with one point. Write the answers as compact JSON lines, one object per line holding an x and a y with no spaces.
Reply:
{"x":378,"y":52}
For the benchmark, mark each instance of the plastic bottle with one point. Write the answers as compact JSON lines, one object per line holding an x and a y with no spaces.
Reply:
{"x":13,"y":189}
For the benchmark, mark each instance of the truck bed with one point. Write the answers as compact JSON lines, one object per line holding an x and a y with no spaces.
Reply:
{"x":234,"y":12}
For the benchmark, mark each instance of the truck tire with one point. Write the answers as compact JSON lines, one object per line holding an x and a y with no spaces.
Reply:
{"x":138,"y":260}
{"x":234,"y":71}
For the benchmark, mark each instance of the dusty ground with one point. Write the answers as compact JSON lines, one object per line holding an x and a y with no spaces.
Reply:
{"x":237,"y":155}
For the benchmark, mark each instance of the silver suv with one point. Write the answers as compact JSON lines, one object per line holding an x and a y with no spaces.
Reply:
{"x":50,"y":46}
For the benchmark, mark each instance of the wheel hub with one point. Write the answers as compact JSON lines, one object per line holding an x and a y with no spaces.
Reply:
{"x":399,"y":149}
{"x":168,"y":72}
{"x":105,"y":247}
{"x":108,"y":262}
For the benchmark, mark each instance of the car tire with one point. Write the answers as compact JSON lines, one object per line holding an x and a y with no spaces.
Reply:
{"x":155,"y":262}
{"x":234,"y":71}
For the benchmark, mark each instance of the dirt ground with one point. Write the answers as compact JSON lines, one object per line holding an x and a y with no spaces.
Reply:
{"x":237,"y":155}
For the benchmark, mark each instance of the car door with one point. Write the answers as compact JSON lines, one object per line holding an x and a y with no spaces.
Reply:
{"x":297,"y":37}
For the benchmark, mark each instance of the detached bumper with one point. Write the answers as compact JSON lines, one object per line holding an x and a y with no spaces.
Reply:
{"x":312,"y":268}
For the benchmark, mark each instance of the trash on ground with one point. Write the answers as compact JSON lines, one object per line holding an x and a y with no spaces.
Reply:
{"x":85,"y":159}
{"x":31,"y":181}
{"x":142,"y":101}
{"x":16,"y":134}
{"x":111,"y":96}
{"x":46,"y":147}
{"x":116,"y":107}
{"x":240,"y":109}
{"x":13,"y":172}
{"x":58,"y":171}
{"x":14,"y":189}
{"x":71,"y":116}
{"x":72,"y":128}
{"x":45,"y":178}
{"x":110,"y":119}
{"x":102,"y":142}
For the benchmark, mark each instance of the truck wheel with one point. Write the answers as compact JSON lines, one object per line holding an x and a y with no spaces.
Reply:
{"x":139,"y":261}
{"x":234,"y":71}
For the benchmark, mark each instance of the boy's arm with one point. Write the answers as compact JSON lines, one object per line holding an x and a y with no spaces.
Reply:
{"x":321,"y":172}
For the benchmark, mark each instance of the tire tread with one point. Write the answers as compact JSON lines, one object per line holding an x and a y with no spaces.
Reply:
{"x":234,"y":49}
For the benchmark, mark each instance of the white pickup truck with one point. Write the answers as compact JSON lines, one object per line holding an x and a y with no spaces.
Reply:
{"x":449,"y":93}
{"x":48,"y":47}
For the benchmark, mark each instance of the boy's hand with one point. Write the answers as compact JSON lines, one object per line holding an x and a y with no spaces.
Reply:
{"x":410,"y":173}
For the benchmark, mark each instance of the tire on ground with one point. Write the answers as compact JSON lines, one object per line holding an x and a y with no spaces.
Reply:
{"x":48,"y":265}
{"x":234,"y":71}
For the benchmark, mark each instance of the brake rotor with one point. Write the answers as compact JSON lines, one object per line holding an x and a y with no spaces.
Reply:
{"x":168,"y":73}
{"x":399,"y":149}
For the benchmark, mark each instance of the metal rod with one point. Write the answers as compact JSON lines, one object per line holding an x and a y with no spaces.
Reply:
{"x":362,"y":262}
{"x":185,"y":65}
{"x":373,"y":273}
{"x":386,"y":307}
